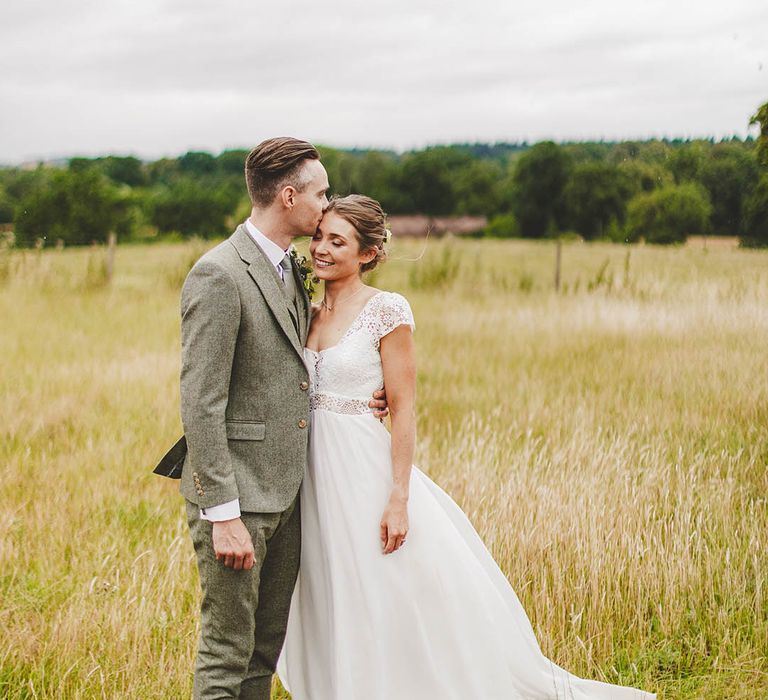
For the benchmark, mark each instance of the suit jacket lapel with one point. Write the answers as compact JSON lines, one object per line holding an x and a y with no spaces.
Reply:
{"x":303,"y":303}
{"x":265,"y":276}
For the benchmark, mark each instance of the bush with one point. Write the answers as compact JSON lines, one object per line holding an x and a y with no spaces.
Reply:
{"x":79,"y":207}
{"x":669,"y":215}
{"x":502,"y":226}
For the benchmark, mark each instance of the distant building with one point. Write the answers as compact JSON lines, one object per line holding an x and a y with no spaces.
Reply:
{"x":418,"y":225}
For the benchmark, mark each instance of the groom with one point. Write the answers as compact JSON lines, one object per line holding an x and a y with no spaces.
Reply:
{"x":245,"y":410}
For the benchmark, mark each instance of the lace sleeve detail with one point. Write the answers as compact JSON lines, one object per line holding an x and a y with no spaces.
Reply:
{"x":389,"y":311}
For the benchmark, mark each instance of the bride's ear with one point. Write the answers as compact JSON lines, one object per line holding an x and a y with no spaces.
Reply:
{"x":368,"y":256}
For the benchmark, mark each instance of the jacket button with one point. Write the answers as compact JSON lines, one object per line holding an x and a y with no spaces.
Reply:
{"x":304,"y":386}
{"x":302,"y":423}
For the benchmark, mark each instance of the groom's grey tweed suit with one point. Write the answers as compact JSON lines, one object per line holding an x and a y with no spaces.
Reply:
{"x":245,"y":410}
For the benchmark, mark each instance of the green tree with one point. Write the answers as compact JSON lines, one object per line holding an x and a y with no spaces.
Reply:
{"x":125,"y":170}
{"x":686,"y":162}
{"x":756,"y":216}
{"x":18,"y":183}
{"x":729,"y":173}
{"x":477,"y":188}
{"x":645,"y":177}
{"x":429,"y":177}
{"x":651,"y":152}
{"x":761,"y":119}
{"x":79,"y":206}
{"x":596,"y":199}
{"x":539,"y":182}
{"x":163,"y":171}
{"x":654,"y":152}
{"x":79,"y":164}
{"x":587,"y":152}
{"x":197,"y":163}
{"x":232,"y":162}
{"x":7,"y":207}
{"x":670,"y":214}
{"x":192,"y":209}
{"x":378,"y":176}
{"x":756,"y":204}
{"x":341,"y":169}
{"x":624,"y":152}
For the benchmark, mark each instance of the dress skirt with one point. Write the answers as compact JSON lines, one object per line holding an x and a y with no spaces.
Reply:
{"x":435,"y":620}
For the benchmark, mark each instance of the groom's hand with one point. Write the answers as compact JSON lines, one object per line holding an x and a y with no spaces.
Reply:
{"x":379,"y":404}
{"x":232,"y":544}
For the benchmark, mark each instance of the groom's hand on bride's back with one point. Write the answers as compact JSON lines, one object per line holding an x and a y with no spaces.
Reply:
{"x":232,"y":544}
{"x":379,"y":404}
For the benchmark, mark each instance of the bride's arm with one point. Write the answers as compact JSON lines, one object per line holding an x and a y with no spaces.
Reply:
{"x":398,"y":360}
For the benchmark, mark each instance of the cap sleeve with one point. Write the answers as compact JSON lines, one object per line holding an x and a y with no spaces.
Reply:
{"x":391,"y":311}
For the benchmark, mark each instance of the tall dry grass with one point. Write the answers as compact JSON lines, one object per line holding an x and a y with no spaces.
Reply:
{"x":609,"y":443}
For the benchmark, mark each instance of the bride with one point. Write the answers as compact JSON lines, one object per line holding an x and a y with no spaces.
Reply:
{"x":397,"y":597}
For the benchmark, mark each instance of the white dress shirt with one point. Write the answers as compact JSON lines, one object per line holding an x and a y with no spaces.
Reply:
{"x":274,"y":252}
{"x":275,"y":255}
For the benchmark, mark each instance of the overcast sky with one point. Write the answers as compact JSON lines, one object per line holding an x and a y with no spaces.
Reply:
{"x":159,"y":77}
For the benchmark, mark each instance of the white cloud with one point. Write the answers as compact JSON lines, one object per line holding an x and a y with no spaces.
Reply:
{"x":154,"y":78}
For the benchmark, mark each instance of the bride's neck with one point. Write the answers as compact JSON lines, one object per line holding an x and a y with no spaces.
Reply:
{"x":338,"y":290}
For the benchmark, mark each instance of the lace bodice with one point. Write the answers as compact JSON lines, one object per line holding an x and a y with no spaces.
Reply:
{"x":344,"y":376}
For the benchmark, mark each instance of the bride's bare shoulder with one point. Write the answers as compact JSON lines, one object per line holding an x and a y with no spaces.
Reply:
{"x":372,"y":292}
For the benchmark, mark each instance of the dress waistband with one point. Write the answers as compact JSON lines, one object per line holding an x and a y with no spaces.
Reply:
{"x":338,"y":404}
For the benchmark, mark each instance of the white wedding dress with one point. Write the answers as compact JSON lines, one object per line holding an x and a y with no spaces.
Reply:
{"x":437,"y":619}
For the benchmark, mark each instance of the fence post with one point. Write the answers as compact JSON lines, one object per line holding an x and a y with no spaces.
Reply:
{"x":558,"y":258}
{"x":111,"y":247}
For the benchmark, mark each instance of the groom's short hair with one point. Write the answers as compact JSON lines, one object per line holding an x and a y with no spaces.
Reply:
{"x":275,"y":163}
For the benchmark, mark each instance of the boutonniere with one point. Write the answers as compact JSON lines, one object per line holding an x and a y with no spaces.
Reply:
{"x":306,"y":272}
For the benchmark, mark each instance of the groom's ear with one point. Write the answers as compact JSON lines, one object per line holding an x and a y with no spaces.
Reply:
{"x":287,"y":196}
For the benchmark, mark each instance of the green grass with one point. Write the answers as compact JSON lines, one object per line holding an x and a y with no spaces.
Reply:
{"x":609,"y":443}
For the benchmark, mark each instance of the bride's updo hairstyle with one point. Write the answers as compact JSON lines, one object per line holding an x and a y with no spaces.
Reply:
{"x":369,"y":221}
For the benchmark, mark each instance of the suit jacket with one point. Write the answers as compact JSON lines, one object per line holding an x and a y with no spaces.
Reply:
{"x":244,"y":385}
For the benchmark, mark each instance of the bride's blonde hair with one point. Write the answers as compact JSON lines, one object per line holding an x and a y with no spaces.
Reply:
{"x":369,"y":221}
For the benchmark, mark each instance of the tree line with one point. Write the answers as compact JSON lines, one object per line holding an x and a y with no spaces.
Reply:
{"x":658,"y":190}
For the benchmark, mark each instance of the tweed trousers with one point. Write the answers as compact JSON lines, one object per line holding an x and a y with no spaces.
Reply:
{"x":244,"y":613}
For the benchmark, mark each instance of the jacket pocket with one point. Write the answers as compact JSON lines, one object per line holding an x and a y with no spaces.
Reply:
{"x":245,"y":430}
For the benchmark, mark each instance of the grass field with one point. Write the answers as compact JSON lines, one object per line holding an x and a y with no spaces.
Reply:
{"x":609,"y":442}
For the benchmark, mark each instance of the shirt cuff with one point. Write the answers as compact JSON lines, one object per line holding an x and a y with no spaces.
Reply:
{"x":225,"y":511}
